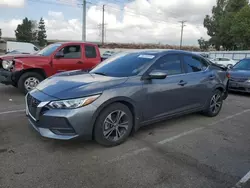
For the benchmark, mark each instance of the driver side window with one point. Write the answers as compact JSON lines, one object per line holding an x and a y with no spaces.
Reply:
{"x":71,"y":52}
{"x":170,"y":64}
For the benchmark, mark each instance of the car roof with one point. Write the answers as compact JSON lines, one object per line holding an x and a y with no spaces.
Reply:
{"x":76,"y":42}
{"x":160,"y":52}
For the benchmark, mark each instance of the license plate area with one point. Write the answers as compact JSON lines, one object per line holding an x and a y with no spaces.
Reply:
{"x":234,"y":85}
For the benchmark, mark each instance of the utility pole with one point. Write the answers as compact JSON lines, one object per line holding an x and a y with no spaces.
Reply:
{"x":84,"y":21}
{"x":100,"y":29}
{"x":182,"y":26}
{"x":103,"y":20}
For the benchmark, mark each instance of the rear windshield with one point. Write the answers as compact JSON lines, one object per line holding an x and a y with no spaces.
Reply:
{"x":124,"y":64}
{"x":243,"y":65}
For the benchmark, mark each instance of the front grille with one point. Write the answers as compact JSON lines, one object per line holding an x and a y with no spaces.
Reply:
{"x":235,"y":79}
{"x":32,"y":105}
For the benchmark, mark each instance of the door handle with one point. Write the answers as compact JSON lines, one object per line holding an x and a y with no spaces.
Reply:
{"x":182,"y":83}
{"x":79,"y":62}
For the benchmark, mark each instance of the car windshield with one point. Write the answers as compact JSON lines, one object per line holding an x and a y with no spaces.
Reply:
{"x":242,"y":65}
{"x":47,"y":51}
{"x":124,"y":64}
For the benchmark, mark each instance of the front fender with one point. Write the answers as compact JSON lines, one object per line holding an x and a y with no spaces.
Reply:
{"x":20,"y":65}
{"x":127,"y":101}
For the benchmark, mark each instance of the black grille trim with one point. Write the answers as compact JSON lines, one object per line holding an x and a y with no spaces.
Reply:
{"x":32,"y":105}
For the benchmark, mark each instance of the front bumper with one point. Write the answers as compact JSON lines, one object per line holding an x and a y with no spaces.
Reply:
{"x":62,"y":124}
{"x":5,"y":77}
{"x":239,"y":86}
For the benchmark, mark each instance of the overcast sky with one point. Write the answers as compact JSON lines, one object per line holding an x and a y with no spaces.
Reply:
{"x":136,"y":21}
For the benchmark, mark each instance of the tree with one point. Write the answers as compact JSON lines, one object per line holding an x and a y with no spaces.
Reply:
{"x":41,"y":33}
{"x":241,"y":28}
{"x":204,"y":45}
{"x":219,"y":24}
{"x":212,"y":23}
{"x":0,"y":33}
{"x":26,"y":32}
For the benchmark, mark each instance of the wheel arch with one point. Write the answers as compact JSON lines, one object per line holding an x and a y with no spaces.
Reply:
{"x":37,"y":70}
{"x":223,"y":89}
{"x":220,"y":87}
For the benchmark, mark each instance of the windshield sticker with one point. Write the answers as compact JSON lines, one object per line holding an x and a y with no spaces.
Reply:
{"x":146,"y":56}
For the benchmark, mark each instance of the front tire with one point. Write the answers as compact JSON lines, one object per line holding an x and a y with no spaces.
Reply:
{"x":28,"y":81}
{"x":114,"y":125}
{"x":215,"y":104}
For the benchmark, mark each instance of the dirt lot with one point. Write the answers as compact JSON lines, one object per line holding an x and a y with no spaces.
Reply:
{"x":188,"y":152}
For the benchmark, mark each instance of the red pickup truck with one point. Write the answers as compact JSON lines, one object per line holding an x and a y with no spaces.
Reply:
{"x":27,"y":71}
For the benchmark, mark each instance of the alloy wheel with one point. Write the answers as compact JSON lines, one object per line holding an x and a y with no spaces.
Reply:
{"x":115,"y":125}
{"x":215,"y":103}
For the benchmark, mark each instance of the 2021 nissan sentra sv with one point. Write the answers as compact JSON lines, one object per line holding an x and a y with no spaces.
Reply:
{"x":124,"y":92}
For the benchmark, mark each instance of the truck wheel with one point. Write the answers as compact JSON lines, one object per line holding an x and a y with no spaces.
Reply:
{"x":28,"y":81}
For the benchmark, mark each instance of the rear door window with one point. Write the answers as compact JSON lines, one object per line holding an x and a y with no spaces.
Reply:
{"x":90,"y":51}
{"x":194,"y":63}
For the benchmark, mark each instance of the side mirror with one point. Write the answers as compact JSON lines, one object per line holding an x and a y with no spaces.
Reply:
{"x":229,"y":66}
{"x":157,"y":75}
{"x":59,"y":54}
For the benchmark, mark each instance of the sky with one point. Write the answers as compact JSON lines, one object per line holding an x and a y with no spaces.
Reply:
{"x":133,"y":21}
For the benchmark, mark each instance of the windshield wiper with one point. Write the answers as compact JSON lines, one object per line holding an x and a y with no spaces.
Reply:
{"x":100,"y":73}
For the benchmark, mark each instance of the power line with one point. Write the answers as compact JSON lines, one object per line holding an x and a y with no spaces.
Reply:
{"x":132,"y":13}
{"x":136,"y":14}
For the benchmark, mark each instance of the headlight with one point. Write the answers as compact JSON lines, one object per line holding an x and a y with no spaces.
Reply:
{"x":7,"y":64}
{"x":73,"y":103}
{"x":248,"y":81}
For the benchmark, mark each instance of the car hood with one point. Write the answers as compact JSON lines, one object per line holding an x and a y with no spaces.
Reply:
{"x":18,"y":56}
{"x":240,"y":73}
{"x":74,"y":84}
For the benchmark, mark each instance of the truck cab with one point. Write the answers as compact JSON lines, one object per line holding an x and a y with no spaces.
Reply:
{"x":27,"y":71}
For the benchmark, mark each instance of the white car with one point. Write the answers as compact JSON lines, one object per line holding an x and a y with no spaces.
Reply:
{"x":224,"y":61}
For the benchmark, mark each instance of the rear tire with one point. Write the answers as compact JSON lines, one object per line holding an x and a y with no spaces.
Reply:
{"x":214,"y":105}
{"x":113,"y":125}
{"x":29,"y":81}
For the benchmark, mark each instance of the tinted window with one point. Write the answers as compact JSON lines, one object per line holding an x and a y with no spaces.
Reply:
{"x":224,"y":59}
{"x":124,"y":64}
{"x":193,"y":63}
{"x":90,"y":51}
{"x":243,"y":65}
{"x":170,"y":64}
{"x":72,"y":52}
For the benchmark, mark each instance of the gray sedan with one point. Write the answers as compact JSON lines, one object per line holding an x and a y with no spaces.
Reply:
{"x":240,"y":76}
{"x":125,"y":92}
